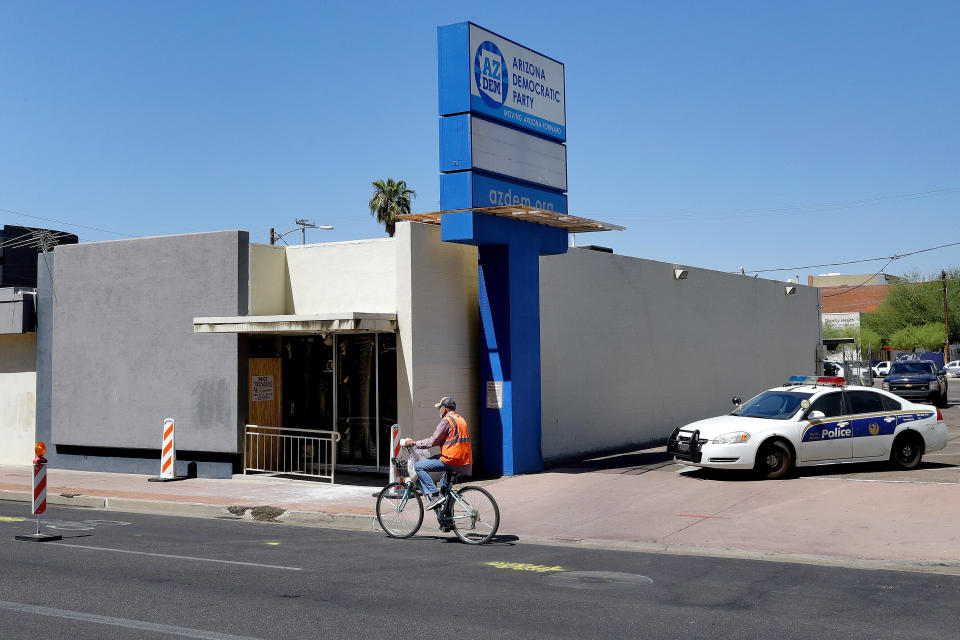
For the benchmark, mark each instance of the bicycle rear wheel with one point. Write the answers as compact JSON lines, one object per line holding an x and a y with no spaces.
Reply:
{"x":478,"y":521}
{"x":399,"y":520}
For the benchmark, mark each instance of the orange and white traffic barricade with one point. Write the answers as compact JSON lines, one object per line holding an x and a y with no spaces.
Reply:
{"x":168,"y":457}
{"x":39,"y":495}
{"x":396,"y":470}
{"x":168,"y":454}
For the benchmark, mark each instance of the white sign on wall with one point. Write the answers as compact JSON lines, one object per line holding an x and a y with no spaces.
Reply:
{"x":515,"y":84}
{"x":262,"y":388}
{"x":517,"y":154}
{"x":842,"y":320}
{"x":494,"y":394}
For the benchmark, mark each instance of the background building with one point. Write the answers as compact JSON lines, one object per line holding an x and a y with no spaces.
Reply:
{"x":851,"y":280}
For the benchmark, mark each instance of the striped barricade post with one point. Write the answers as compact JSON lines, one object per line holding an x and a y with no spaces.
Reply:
{"x":168,"y":454}
{"x":39,"y":485}
{"x":39,"y":494}
{"x":168,"y":459}
{"x":394,"y":452}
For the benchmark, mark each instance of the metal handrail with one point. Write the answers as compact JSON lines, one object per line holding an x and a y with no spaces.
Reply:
{"x":324,"y":431}
{"x":283,"y":450}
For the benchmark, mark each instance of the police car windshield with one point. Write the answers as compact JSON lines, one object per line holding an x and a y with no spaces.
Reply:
{"x":773,"y":405}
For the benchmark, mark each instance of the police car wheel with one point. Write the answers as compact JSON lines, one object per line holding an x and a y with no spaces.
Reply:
{"x":907,"y":451}
{"x":774,"y":460}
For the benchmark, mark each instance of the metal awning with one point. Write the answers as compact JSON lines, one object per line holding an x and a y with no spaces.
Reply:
{"x":349,"y":322}
{"x":573,"y":224}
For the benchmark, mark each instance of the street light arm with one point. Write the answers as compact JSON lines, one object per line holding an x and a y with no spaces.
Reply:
{"x":302,"y":226}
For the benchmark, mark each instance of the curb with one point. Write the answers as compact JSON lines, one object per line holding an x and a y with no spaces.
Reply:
{"x":60,"y":500}
{"x":352,"y":521}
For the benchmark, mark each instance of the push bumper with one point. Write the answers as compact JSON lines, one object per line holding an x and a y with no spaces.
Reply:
{"x":685,"y":445}
{"x":689,"y":448}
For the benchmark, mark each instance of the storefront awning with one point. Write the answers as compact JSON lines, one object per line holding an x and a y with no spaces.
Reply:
{"x":318,"y":323}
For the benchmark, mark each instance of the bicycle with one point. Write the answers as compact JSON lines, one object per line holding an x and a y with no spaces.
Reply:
{"x":471,"y":512}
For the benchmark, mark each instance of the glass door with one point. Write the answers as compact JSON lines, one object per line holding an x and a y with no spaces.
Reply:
{"x":356,"y":399}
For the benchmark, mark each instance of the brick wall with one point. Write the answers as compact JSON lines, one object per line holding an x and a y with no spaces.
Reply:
{"x":861,"y":299}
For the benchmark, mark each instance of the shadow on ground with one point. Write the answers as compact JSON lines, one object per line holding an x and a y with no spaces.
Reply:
{"x":827,"y":470}
{"x":632,"y":461}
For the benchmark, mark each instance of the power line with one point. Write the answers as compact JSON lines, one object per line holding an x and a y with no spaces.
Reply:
{"x":31,"y":239}
{"x":69,"y":224}
{"x":895,"y":256}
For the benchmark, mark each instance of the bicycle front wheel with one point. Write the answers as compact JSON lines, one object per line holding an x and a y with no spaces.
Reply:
{"x":399,"y":517}
{"x":476,"y":520}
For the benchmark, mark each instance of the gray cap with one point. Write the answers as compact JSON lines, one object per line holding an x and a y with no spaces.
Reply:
{"x":446,"y":402}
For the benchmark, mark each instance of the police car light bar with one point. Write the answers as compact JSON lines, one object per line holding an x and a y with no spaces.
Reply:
{"x":818,"y":380}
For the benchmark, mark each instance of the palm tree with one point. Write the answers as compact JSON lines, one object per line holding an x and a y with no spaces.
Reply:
{"x":390,"y":199}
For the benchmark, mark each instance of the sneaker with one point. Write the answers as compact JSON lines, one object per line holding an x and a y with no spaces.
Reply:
{"x":434,"y":500}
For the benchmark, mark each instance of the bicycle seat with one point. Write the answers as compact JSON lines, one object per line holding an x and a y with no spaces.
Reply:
{"x":453,"y":477}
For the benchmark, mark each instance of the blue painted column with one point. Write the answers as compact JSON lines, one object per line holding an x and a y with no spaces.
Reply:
{"x":509,"y":273}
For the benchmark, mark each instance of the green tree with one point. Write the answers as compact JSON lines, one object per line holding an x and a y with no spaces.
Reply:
{"x":866,"y":342}
{"x":390,"y":199}
{"x":928,"y":337}
{"x":917,"y":301}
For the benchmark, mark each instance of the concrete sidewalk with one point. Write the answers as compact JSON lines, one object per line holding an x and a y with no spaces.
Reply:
{"x":658,"y":506}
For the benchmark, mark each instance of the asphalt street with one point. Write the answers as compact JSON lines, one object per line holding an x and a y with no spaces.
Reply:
{"x":120,"y":575}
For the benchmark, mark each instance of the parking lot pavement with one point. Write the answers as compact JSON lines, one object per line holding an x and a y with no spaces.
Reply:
{"x":940,"y":467}
{"x":834,"y":513}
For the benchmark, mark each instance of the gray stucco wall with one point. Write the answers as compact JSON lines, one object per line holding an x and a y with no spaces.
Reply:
{"x":629,"y":353}
{"x":124,"y":355}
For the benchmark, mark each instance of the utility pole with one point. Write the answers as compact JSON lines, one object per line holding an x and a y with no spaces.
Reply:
{"x":946,"y":324}
{"x":273,"y":236}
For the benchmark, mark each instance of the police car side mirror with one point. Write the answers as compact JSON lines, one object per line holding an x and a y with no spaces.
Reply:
{"x":816,"y":415}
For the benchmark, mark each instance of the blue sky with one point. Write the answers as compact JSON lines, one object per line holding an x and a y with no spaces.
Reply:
{"x":755,"y":134}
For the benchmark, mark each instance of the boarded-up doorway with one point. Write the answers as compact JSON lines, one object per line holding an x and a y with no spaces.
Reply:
{"x":266,"y":392}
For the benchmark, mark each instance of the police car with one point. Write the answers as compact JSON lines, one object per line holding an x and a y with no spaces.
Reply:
{"x":812,"y":421}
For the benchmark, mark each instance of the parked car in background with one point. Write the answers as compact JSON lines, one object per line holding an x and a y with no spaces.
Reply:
{"x":833,"y":369}
{"x":953,"y":369}
{"x":881,"y":369}
{"x":917,"y":380}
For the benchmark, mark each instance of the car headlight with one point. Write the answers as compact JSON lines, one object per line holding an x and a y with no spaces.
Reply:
{"x":732,"y":438}
{"x":935,"y":384}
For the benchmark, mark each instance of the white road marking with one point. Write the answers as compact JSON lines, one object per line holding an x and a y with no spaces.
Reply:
{"x":165,"y":555}
{"x":120,"y":622}
{"x":953,"y":484}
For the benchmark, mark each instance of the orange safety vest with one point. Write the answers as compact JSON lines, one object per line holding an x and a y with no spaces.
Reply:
{"x":456,"y":448}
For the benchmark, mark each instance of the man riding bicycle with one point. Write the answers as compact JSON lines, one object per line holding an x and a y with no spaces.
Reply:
{"x":453,"y":436}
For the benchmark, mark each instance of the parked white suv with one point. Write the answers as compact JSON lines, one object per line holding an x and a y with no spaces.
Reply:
{"x":881,"y":369}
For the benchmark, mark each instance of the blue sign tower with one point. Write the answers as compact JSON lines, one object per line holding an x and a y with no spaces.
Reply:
{"x":502,"y":126}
